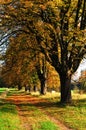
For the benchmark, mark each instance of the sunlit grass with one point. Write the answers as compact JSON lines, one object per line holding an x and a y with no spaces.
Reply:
{"x":9,"y":119}
{"x":47,"y":125}
{"x":15,"y":91}
{"x":72,"y":115}
{"x":35,"y":117}
{"x":2,"y":90}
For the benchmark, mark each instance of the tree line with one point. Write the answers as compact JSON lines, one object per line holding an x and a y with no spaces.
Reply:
{"x":56,"y":29}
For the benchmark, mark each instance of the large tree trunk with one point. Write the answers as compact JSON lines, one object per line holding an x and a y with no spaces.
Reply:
{"x":65,"y":88}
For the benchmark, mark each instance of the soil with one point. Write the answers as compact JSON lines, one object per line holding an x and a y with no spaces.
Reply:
{"x":25,"y":99}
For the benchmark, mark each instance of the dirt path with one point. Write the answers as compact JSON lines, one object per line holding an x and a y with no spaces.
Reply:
{"x":23,"y":118}
{"x":39,"y":103}
{"x":17,"y":100}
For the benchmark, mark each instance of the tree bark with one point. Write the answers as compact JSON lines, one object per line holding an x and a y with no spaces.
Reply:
{"x":65,"y":88}
{"x":35,"y":88}
{"x":43,"y":87}
{"x":42,"y":74}
{"x":19,"y":87}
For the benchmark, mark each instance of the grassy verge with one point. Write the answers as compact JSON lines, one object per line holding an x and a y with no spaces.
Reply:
{"x":15,"y":91}
{"x":2,"y":90}
{"x":9,"y":119}
{"x":73,"y":115}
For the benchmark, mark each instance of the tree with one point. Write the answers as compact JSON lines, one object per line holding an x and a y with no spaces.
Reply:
{"x":41,"y":68}
{"x":82,"y":81}
{"x":18,"y":68}
{"x":59,"y":28}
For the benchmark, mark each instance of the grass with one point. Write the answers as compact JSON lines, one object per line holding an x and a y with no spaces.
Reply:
{"x":2,"y":90}
{"x":9,"y":119}
{"x":73,"y":115}
{"x":47,"y":125}
{"x":14,"y":91}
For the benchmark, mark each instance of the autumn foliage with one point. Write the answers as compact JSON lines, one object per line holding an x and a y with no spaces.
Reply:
{"x":57,"y":29}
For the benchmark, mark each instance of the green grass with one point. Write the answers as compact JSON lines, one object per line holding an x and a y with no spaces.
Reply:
{"x":73,"y":115}
{"x":9,"y":119}
{"x":2,"y":90}
{"x":47,"y":125}
{"x":14,"y":91}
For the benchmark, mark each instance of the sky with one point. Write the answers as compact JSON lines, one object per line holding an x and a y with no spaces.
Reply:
{"x":81,"y":67}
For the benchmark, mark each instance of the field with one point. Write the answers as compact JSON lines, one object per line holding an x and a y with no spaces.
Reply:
{"x":24,"y":111}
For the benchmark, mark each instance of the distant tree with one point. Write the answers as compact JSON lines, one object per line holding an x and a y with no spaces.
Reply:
{"x":53,"y":80}
{"x":41,"y":68}
{"x":82,"y":81}
{"x":18,"y":68}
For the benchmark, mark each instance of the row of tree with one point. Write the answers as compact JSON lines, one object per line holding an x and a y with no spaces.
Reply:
{"x":24,"y":67}
{"x":57,"y":29}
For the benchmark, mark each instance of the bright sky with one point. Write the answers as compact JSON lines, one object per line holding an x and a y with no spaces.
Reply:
{"x":81,"y":67}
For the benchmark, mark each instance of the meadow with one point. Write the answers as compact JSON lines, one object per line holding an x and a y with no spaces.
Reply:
{"x":38,"y":114}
